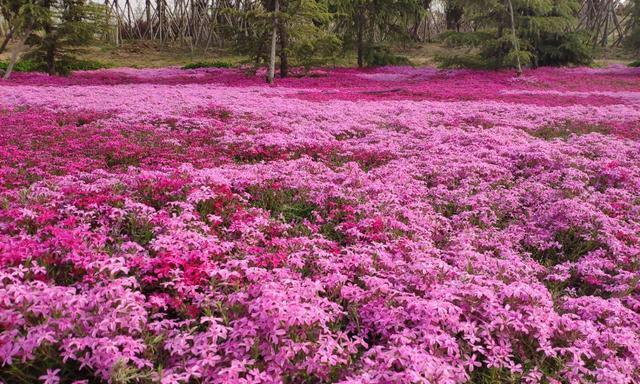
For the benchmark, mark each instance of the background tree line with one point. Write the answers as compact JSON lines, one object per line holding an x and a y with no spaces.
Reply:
{"x":495,"y":33}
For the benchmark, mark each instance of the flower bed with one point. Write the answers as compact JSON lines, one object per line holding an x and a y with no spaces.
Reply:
{"x":396,"y":225}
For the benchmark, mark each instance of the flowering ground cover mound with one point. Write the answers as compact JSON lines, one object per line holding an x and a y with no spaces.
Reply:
{"x":396,"y":225}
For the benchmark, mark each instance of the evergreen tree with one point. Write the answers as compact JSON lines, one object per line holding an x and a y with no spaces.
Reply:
{"x":367,"y":24}
{"x":69,"y":25}
{"x":302,"y":29}
{"x":50,"y":30}
{"x":544,"y":34}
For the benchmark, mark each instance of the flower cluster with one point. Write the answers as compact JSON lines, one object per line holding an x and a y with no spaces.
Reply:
{"x":396,"y":225}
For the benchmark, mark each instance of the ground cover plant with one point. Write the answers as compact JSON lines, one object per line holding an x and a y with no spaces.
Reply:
{"x":397,"y":225}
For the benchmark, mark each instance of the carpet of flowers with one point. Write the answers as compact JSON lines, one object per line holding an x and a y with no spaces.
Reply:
{"x":396,"y":225}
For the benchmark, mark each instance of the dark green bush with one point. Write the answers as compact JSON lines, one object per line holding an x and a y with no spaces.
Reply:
{"x":635,"y":64}
{"x":317,"y":51}
{"x":379,"y":56}
{"x":568,"y":48}
{"x":65,"y":65}
{"x":455,"y":39}
{"x":21,"y":66}
{"x":208,"y":64}
{"x":463,"y":61}
{"x":68,"y":64}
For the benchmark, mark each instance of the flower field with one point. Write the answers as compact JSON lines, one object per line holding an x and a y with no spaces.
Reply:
{"x":398,"y":225}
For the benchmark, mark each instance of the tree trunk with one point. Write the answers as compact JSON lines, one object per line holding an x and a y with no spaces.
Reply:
{"x":360,"y":37}
{"x":284,"y":42}
{"x":50,"y":42}
{"x":15,"y":53}
{"x":514,"y":36}
{"x":51,"y":59}
{"x":6,"y":40}
{"x":147,"y":8}
{"x":274,"y":36}
{"x":160,"y":11}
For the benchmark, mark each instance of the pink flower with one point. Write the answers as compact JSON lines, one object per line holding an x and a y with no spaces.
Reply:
{"x":51,"y":377}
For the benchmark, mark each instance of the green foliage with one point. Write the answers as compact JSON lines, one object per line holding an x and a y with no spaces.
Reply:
{"x":632,"y":40}
{"x":563,"y":49}
{"x":305,"y":24}
{"x":21,"y":66}
{"x":634,"y":64}
{"x":454,"y":39}
{"x":65,"y":65}
{"x":137,"y":229}
{"x":290,"y":204}
{"x":472,"y":61}
{"x":574,"y":244}
{"x":65,"y":26}
{"x":568,"y":129}
{"x":378,"y":56}
{"x":500,"y":52}
{"x":311,"y":40}
{"x":365,"y":24}
{"x":46,"y":356}
{"x":544,"y":32}
{"x":208,"y":64}
{"x":316,"y":51}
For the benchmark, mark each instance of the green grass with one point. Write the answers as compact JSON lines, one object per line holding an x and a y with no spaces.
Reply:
{"x":290,"y":204}
{"x":574,"y":245}
{"x":566,"y":130}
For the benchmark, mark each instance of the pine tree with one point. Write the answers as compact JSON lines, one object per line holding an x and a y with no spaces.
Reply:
{"x":71,"y":24}
{"x":544,"y":34}
{"x":301,"y":29}
{"x":367,"y":24}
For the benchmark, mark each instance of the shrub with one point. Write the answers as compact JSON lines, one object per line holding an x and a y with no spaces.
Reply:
{"x":568,"y":48}
{"x":21,"y":66}
{"x":462,"y":61}
{"x":455,"y":39}
{"x":379,"y":56}
{"x":65,"y":65}
{"x":316,"y":51}
{"x":208,"y":64}
{"x":69,"y":64}
{"x":290,"y":204}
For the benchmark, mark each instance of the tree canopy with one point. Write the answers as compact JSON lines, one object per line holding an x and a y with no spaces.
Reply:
{"x":306,"y":33}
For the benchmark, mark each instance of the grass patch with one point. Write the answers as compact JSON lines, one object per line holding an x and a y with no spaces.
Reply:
{"x":113,"y":160}
{"x":566,"y":130}
{"x":574,"y":245}
{"x":290,"y":204}
{"x":294,"y":207}
{"x":138,"y":230}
